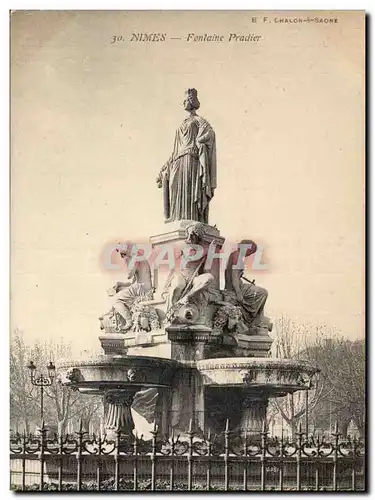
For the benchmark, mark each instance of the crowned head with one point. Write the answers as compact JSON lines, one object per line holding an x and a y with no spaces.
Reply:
{"x":191,"y":102}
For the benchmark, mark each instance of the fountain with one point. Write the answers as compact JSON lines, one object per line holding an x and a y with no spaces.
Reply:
{"x":176,"y":343}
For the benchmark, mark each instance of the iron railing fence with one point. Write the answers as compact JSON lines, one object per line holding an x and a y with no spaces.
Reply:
{"x":224,"y":461}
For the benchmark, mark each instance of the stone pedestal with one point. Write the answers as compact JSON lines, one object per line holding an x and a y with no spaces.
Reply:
{"x":253,"y":414}
{"x":187,"y":404}
{"x":188,"y":342}
{"x":118,"y":416}
{"x":174,"y":237}
{"x":162,"y":411}
{"x":113,"y":343}
{"x":188,"y":346}
{"x":251,"y":345}
{"x":245,"y":411}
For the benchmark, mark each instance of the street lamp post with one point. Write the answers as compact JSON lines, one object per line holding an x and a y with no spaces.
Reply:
{"x":307,"y":412}
{"x":310,"y":386}
{"x":42,"y":380}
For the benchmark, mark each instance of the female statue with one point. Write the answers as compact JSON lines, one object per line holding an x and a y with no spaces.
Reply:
{"x":250,"y":297}
{"x":189,"y":176}
{"x":137,"y":289}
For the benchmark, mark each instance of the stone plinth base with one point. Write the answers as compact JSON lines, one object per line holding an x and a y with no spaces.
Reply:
{"x":175,"y":231}
{"x":161,"y":343}
{"x":173,"y":239}
{"x":188,"y":345}
{"x":188,"y":342}
{"x":187,"y":408}
{"x":113,"y":343}
{"x":118,"y":416}
{"x":256,"y":346}
{"x":253,"y":414}
{"x":244,"y":410}
{"x":145,"y":339}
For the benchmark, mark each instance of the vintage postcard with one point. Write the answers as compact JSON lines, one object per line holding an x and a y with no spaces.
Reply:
{"x":187,"y":251}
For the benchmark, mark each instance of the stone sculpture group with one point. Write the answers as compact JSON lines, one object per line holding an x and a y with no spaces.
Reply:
{"x":186,"y":345}
{"x":190,"y":294}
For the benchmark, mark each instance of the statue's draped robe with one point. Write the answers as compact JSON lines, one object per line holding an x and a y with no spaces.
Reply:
{"x":254,"y":297}
{"x":189,"y":179}
{"x":142,"y":287}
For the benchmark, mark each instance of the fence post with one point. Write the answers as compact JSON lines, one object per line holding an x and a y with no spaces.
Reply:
{"x":317,"y":468}
{"x":117,"y":459}
{"x":99,"y":462}
{"x":353,"y":450}
{"x":79,"y":456}
{"x":208,"y":485}
{"x":263,"y":456}
{"x":226,"y":455}
{"x":335,"y":434}
{"x":135,"y":464}
{"x":171,"y":471}
{"x":41,"y":454}
{"x":299,"y":454}
{"x":190,"y":434}
{"x":245,"y":462}
{"x":281,"y":463}
{"x":23,"y":481}
{"x":154,"y":433}
{"x":60,"y":473}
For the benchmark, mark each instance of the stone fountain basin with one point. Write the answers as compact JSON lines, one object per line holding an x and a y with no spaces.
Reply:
{"x":95,"y":375}
{"x":275,"y":376}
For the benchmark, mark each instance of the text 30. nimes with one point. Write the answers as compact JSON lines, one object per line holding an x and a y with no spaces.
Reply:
{"x":190,"y":37}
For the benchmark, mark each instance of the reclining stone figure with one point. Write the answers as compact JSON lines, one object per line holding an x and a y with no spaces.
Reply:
{"x":250,"y":297}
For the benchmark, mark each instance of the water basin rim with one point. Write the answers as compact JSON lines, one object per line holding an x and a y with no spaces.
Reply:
{"x":255,"y":363}
{"x":107,"y":360}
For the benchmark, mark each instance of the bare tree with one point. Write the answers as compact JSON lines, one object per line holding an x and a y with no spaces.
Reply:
{"x":342,"y":364}
{"x":338,"y":392}
{"x":23,"y":395}
{"x":61,"y":403}
{"x":292,"y":341}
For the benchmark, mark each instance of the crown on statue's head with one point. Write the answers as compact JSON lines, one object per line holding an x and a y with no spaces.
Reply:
{"x":192,"y":98}
{"x":192,"y":93}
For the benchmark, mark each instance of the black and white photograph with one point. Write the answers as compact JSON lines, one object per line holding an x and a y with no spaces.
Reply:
{"x":187,"y":251}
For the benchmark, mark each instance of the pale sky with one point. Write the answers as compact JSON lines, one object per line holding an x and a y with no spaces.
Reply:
{"x":93,"y":122}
